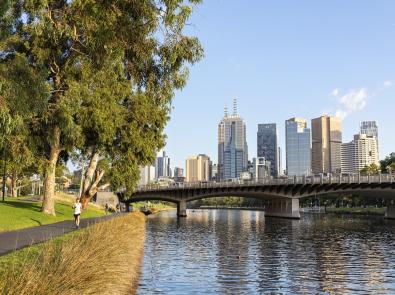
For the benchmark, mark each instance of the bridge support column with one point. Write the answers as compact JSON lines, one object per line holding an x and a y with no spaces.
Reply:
{"x":390,"y":212}
{"x":286,"y":208}
{"x":182,"y":208}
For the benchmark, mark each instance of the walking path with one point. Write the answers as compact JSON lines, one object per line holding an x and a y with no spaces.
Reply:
{"x":14,"y":240}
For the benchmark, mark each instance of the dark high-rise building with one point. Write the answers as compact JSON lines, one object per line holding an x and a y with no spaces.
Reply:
{"x":162,"y":166}
{"x":267,"y":146}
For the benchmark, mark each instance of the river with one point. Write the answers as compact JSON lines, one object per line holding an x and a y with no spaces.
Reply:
{"x":242,"y":252}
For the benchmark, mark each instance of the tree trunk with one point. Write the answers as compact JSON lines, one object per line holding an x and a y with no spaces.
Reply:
{"x":90,"y":172}
{"x":48,"y":206}
{"x":14,"y":185}
{"x":92,"y":190}
{"x":88,"y":191}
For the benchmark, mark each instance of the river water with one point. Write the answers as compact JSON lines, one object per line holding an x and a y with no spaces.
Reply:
{"x":242,"y":252}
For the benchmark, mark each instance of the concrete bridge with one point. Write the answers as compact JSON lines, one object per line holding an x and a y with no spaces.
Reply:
{"x":282,"y":194}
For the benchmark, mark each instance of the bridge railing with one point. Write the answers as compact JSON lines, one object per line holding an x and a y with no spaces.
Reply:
{"x":313,"y":179}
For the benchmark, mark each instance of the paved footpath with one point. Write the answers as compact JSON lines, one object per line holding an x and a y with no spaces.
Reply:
{"x":17,"y":239}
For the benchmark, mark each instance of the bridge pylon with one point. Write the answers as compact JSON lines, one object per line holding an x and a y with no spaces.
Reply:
{"x":284,"y":207}
{"x":390,"y":212}
{"x":182,"y":208}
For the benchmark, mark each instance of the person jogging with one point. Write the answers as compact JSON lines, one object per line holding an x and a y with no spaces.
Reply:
{"x":77,"y":212}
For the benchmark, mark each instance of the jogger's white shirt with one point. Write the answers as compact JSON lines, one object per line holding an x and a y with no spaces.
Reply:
{"x":77,"y":208}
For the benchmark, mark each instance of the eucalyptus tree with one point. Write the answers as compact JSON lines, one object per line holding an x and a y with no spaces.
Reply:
{"x":22,"y":95}
{"x":82,"y":45}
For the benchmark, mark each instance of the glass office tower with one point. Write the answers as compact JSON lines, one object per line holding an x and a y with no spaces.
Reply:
{"x":267,"y":146}
{"x":298,"y":147}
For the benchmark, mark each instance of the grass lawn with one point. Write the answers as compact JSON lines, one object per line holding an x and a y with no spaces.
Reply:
{"x":22,"y":213}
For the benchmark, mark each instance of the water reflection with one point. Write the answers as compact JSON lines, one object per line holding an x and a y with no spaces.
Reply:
{"x":241,"y":252}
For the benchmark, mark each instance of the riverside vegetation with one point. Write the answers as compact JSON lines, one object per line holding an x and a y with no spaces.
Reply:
{"x":90,"y":81}
{"x":63,"y":266}
{"x":93,"y":82}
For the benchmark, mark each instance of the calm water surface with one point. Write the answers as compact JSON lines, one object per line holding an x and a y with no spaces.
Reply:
{"x":242,"y":252}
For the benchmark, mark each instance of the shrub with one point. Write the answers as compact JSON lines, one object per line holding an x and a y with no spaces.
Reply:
{"x":102,"y":259}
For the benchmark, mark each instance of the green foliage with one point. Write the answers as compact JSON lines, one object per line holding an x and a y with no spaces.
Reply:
{"x":388,"y":164}
{"x":371,"y":169}
{"x":342,"y":200}
{"x":103,"y":72}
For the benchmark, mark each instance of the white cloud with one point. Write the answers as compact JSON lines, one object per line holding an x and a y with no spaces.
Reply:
{"x":341,"y":114}
{"x":335,"y":92}
{"x":353,"y":101}
{"x":387,"y":83}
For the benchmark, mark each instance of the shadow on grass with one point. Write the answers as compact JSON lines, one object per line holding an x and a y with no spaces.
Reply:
{"x":23,"y":205}
{"x":35,"y":220}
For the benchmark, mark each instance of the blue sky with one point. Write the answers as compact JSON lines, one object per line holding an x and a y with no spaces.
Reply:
{"x":282,"y":59}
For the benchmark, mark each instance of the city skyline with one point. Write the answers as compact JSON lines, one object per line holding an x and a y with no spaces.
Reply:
{"x":282,"y":156}
{"x":280,"y":60}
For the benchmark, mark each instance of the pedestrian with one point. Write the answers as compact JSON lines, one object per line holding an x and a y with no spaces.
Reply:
{"x":106,"y":208}
{"x":77,"y":212}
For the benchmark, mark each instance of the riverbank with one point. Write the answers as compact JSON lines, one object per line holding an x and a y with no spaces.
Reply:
{"x":332,"y":210}
{"x":18,"y":213}
{"x":102,"y":259}
{"x":230,"y":208}
{"x":357,"y":210}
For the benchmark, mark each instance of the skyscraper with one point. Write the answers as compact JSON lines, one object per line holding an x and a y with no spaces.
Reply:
{"x":178,"y":175}
{"x":147,"y":175}
{"x":298,"y":147}
{"x":162,"y":166}
{"x":214,"y":172}
{"x":370,"y":128}
{"x":359,"y":153}
{"x":198,"y":168}
{"x":280,"y":162}
{"x":326,"y":145}
{"x":178,"y":172}
{"x":267,"y":146}
{"x":232,"y":145}
{"x":262,"y":168}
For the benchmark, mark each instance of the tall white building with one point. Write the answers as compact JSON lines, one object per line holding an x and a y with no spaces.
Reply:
{"x":359,"y":153}
{"x":371,"y":129}
{"x":232,"y":145}
{"x":147,"y":175}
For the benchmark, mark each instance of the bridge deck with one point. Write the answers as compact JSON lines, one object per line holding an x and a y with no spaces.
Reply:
{"x":319,"y":180}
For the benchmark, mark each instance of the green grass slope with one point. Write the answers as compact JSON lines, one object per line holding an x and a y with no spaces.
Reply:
{"x":22,"y":213}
